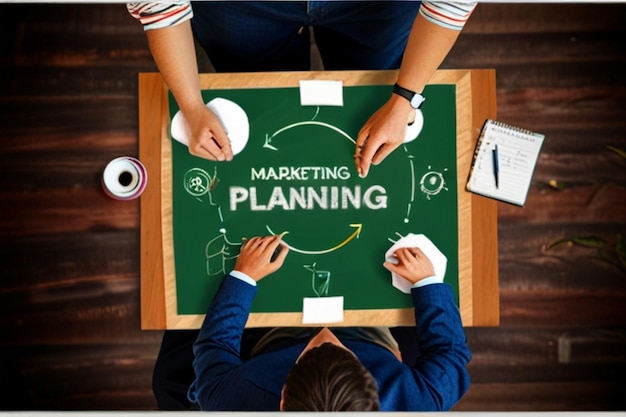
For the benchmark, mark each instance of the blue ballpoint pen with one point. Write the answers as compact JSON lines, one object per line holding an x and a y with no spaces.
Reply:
{"x":496,"y":165}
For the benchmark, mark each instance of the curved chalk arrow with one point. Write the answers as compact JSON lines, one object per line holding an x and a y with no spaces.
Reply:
{"x":268,"y":139}
{"x":355,"y":234}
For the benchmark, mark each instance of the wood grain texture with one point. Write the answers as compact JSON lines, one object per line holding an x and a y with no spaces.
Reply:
{"x":485,"y":292}
{"x":152,"y":127}
{"x":70,"y":333}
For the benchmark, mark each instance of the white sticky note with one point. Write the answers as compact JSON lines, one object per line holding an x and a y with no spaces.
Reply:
{"x":322,"y":310}
{"x":321,"y":93}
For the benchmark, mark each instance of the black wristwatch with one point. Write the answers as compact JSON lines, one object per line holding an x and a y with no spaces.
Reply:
{"x":415,"y":99}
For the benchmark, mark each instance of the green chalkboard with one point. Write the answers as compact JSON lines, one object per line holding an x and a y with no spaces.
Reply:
{"x":296,"y":174}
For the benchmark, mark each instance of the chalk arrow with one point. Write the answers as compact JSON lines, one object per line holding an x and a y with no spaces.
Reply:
{"x":355,"y":234}
{"x":268,"y":143}
{"x":269,"y":138}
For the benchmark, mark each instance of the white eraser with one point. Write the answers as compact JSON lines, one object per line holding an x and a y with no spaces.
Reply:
{"x":321,"y":93}
{"x":322,"y":310}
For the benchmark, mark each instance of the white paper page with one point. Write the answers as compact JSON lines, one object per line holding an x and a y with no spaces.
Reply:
{"x":517,"y":156}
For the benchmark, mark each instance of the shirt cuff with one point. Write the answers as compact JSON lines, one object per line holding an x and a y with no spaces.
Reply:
{"x":427,"y":281}
{"x":243,"y":277}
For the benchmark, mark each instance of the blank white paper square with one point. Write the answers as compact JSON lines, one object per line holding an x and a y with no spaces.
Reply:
{"x":322,"y":310}
{"x":321,"y":93}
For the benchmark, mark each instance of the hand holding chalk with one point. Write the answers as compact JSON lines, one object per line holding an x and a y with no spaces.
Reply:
{"x":385,"y":130}
{"x":217,"y":132}
{"x":428,"y":250}
{"x":259,"y":257}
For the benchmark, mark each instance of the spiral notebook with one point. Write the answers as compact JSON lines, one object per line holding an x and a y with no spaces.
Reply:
{"x":504,"y":162}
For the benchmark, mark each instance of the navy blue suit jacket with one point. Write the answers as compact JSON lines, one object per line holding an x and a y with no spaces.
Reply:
{"x":224,"y":382}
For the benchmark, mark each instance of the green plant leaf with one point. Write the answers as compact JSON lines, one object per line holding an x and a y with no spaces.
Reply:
{"x":588,"y":241}
{"x":557,"y":185}
{"x":556,"y":243}
{"x":620,"y":250}
{"x":618,"y":151}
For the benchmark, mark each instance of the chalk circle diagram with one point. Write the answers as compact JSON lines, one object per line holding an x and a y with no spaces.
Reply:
{"x":220,"y":251}
{"x":233,"y":118}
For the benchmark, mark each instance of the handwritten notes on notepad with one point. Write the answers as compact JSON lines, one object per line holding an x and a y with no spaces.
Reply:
{"x":504,"y":162}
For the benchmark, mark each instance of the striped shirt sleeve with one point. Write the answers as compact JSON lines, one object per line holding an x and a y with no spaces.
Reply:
{"x":160,"y":14}
{"x":451,"y":15}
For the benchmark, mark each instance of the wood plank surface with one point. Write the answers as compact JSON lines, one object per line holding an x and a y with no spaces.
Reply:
{"x":69,"y":293}
{"x":485,"y":289}
{"x":152,"y":127}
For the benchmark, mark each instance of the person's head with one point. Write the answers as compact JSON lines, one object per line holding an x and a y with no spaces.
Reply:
{"x":329,"y":377}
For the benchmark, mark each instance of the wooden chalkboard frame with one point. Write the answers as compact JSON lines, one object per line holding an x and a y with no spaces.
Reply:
{"x":477,"y":216}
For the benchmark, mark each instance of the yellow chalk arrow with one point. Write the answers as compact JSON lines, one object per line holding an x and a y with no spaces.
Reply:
{"x":355,"y":234}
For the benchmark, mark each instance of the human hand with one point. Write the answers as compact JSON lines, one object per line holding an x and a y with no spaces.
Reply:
{"x":382,"y":133}
{"x":207,"y":138}
{"x":255,"y":258}
{"x":413,"y":265}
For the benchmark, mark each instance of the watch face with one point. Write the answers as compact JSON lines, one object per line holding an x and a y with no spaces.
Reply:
{"x":417,"y":101}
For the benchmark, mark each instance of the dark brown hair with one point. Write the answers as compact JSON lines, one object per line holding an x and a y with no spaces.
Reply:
{"x":330,"y":378}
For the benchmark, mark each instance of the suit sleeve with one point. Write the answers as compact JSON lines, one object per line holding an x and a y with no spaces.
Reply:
{"x":217,"y":348}
{"x":441,"y":370}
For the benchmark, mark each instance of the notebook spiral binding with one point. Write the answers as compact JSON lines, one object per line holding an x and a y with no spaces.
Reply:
{"x":509,"y":127}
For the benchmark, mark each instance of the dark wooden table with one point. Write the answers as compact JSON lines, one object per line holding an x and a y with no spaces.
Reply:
{"x":70,"y":333}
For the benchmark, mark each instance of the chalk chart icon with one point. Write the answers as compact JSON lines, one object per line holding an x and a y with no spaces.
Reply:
{"x":433,"y":182}
{"x":233,"y":118}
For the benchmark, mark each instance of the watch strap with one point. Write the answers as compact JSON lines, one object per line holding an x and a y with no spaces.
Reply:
{"x":407,"y":94}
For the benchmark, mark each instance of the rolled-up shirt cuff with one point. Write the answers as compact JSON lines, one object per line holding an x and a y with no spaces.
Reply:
{"x":243,"y":277}
{"x":427,"y":281}
{"x":160,"y":14}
